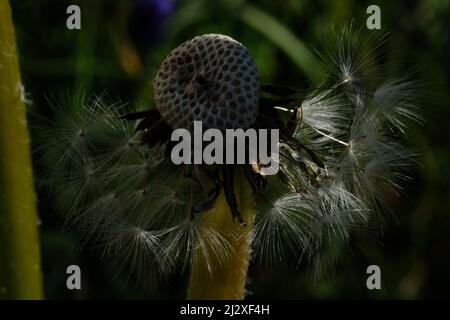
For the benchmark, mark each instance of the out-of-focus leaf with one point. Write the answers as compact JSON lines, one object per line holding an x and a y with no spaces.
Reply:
{"x":283,"y":38}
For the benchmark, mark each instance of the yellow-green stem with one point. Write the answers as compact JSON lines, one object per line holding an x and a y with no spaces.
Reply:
{"x":227,"y":280}
{"x":20,"y":275}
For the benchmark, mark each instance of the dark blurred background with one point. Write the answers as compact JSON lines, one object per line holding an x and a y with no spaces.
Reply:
{"x":119,"y":49}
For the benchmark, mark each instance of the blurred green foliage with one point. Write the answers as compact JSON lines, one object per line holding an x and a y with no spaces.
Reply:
{"x":119,"y":50}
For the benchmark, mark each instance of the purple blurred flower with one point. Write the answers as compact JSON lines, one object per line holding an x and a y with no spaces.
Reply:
{"x":147,"y":22}
{"x":162,"y":7}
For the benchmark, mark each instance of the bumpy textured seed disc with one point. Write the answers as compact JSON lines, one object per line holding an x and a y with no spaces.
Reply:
{"x":210,"y":78}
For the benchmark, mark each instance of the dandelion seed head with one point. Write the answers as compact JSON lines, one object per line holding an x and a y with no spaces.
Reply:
{"x":345,"y":152}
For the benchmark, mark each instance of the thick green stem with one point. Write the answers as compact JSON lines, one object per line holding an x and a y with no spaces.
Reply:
{"x":227,"y":280}
{"x":20,"y":275}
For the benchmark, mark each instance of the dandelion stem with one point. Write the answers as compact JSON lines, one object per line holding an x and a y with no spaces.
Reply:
{"x":227,"y":280}
{"x":20,"y":275}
